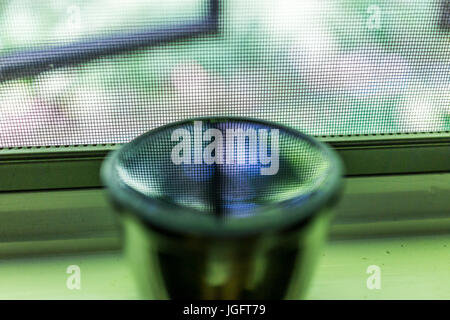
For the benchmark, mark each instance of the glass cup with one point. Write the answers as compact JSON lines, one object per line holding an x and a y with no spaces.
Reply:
{"x":223,"y":208}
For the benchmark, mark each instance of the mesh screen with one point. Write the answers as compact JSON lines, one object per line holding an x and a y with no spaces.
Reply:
{"x":234,"y":183}
{"x":329,"y":67}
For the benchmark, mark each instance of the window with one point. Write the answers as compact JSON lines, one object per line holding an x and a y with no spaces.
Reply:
{"x":327,"y":68}
{"x":83,"y":73}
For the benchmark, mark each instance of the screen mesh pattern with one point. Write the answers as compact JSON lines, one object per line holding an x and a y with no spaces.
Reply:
{"x":194,"y":166}
{"x":329,"y":67}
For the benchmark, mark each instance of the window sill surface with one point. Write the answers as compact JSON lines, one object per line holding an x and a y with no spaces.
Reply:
{"x":411,"y":268}
{"x":399,"y":223}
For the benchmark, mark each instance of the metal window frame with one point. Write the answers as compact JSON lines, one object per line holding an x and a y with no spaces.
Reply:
{"x":68,"y":167}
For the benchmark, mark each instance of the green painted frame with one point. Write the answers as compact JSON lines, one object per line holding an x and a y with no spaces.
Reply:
{"x":35,"y":223}
{"x":68,"y":167}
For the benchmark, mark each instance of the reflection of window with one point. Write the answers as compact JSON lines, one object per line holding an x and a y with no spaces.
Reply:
{"x":325,"y":67}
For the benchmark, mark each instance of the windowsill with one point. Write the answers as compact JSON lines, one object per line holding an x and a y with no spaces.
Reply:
{"x":399,"y":223}
{"x":414,"y":268}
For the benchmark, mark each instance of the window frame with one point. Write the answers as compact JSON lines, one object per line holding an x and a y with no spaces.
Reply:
{"x":82,"y":220}
{"x":69,"y":167}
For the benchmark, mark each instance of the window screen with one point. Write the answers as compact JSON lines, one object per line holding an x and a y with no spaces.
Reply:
{"x":328,"y":67}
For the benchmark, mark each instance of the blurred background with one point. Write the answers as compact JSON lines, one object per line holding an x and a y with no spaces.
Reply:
{"x":328,"y":67}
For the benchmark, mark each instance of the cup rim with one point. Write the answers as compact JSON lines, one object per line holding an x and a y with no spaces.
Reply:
{"x":185,"y":220}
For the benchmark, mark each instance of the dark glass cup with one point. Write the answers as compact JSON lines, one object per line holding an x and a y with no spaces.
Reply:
{"x":223,"y":208}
